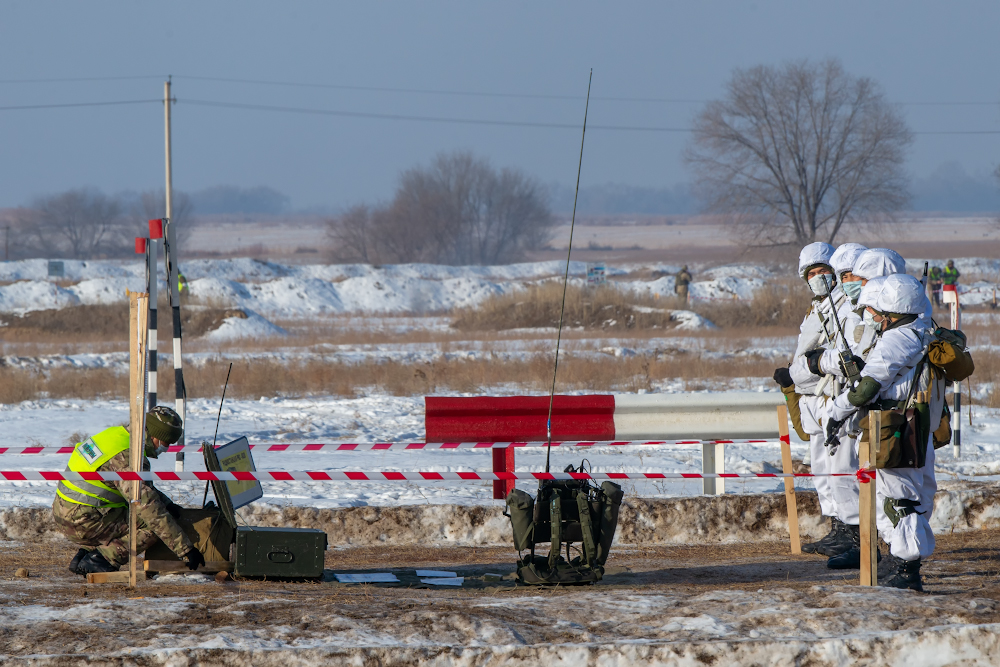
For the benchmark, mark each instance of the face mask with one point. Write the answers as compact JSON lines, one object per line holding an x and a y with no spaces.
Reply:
{"x":151,"y":451}
{"x":852,"y":290}
{"x":869,"y":320}
{"x":820,"y":284}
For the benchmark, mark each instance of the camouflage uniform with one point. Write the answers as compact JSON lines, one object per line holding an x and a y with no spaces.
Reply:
{"x":107,"y":528}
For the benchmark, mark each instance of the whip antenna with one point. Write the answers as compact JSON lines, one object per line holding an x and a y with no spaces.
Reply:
{"x":569,"y":251}
{"x":218,"y":419}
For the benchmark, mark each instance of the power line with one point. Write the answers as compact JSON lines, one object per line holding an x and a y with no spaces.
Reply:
{"x":86,"y":78}
{"x":481,"y":121}
{"x":78,"y":104}
{"x":424,"y":119}
{"x":429,"y":91}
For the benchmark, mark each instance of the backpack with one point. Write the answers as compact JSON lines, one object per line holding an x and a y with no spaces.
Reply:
{"x":948,"y":352}
{"x":565,"y":511}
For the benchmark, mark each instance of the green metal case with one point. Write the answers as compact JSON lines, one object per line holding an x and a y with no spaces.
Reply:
{"x":279,"y":552}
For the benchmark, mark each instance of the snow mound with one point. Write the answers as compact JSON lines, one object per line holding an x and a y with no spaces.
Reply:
{"x":250,"y":325}
{"x":690,"y":321}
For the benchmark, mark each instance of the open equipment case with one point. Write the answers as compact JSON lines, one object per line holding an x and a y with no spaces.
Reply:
{"x":246,"y":551}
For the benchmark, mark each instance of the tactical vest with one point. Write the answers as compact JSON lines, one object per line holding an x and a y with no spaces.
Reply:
{"x":566,"y":511}
{"x":88,"y":456}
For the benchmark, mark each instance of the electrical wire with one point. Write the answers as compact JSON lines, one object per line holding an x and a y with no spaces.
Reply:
{"x":79,"y":104}
{"x":569,"y":252}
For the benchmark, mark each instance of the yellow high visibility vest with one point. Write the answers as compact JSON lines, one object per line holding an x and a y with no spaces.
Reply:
{"x":88,"y":456}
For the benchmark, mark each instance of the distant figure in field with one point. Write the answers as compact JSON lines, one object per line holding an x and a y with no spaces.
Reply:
{"x":681,"y":282}
{"x":934,"y":278}
{"x":950,"y":274}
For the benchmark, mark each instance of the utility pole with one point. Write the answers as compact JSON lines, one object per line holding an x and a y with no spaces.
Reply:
{"x":170,"y":255}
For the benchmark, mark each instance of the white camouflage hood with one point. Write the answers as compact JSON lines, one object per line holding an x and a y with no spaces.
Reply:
{"x":878,"y":262}
{"x":901,"y":293}
{"x":813,"y":254}
{"x":845,"y":256}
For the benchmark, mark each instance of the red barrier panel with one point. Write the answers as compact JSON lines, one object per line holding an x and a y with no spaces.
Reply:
{"x":517,"y":418}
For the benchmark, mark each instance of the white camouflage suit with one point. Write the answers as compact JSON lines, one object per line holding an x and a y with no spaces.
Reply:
{"x":814,"y":391}
{"x":892,"y":363}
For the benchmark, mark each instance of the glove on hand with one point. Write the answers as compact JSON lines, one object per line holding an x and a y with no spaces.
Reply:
{"x":832,"y":429}
{"x":812,"y":360}
{"x":783,"y":377}
{"x":194,"y":559}
{"x":174,"y":510}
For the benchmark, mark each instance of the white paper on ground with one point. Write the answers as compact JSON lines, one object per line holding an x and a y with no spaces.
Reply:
{"x":444,"y":581}
{"x":435,"y":573}
{"x":369,"y":578}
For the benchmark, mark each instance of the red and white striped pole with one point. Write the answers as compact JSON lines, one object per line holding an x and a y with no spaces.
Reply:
{"x":155,"y":232}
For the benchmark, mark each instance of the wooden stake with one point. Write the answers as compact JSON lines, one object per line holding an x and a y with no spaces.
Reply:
{"x":869,"y":534}
{"x":138,"y":304}
{"x":791,"y":507}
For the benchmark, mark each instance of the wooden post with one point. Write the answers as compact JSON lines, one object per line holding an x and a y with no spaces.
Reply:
{"x":791,"y":507}
{"x":138,"y":320}
{"x":867,"y":451}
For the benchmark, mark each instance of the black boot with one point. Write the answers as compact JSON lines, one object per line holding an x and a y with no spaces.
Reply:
{"x":888,"y":566}
{"x":907,"y":575}
{"x":95,"y":562}
{"x":824,"y":542}
{"x":75,"y":563}
{"x":850,"y":559}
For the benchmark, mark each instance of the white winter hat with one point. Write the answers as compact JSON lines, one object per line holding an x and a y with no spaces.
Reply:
{"x":902,"y":294}
{"x":844,"y":257}
{"x":878,"y":262}
{"x":871,"y":290}
{"x":814,"y":254}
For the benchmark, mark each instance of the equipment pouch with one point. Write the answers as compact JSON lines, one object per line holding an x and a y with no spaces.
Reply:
{"x":949,"y":354}
{"x":903,"y":438}
{"x":521,"y":509}
{"x":942,"y":434}
{"x":612,"y":501}
{"x":794,"y":413}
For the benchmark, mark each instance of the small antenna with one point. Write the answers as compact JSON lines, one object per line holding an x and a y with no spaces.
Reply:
{"x":218,"y":419}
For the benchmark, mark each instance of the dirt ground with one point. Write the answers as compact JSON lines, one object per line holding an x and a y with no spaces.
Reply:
{"x":656,"y":605}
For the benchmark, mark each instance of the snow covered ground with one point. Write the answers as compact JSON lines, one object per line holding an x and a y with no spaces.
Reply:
{"x":390,"y":418}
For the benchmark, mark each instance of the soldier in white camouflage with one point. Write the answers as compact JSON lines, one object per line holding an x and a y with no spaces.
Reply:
{"x":95,"y":514}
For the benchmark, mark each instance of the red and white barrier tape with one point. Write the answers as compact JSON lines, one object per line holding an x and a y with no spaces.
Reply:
{"x":393,"y":476}
{"x":381,"y":446}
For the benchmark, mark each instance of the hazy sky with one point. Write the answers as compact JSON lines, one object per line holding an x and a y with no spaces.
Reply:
{"x":922,"y":52}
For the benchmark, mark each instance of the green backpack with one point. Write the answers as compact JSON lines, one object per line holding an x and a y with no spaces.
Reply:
{"x":566,"y":511}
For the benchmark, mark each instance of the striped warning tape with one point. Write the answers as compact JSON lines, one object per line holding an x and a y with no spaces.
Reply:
{"x":382,"y":446}
{"x":394,"y":476}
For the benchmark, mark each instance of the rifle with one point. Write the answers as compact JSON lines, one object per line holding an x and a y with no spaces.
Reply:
{"x":846,"y":356}
{"x":923,"y":279}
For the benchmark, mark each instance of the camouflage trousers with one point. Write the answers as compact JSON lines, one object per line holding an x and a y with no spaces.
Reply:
{"x":103,"y":529}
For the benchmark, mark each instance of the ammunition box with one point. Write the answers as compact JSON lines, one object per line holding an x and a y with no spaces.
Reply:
{"x":279,"y":552}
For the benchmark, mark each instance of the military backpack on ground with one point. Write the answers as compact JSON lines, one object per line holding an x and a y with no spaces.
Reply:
{"x":565,"y":511}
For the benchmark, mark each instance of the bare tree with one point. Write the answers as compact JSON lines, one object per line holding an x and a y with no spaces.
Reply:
{"x":80,"y":224}
{"x":795,"y":152}
{"x":152,"y":204}
{"x":458,"y":210}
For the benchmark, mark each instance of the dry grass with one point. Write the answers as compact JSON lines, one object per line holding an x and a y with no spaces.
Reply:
{"x":253,"y":379}
{"x":779,"y":304}
{"x":104,"y":324}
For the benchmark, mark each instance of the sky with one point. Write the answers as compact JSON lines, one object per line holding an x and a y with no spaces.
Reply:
{"x":525,"y":62}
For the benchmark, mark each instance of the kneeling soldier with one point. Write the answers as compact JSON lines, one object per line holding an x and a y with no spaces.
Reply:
{"x":95,"y":514}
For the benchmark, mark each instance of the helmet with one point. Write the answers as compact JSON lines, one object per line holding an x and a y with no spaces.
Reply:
{"x":844,"y":257}
{"x":902,"y":294}
{"x":164,"y":424}
{"x":878,"y":262}
{"x":870,"y":292}
{"x":951,"y":263}
{"x":813,"y":255}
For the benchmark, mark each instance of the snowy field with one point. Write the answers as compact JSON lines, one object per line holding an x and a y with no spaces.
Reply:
{"x":384,"y":418}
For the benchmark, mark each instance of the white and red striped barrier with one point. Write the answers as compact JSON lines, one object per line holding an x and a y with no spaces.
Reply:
{"x":388,"y":476}
{"x":708,"y":419}
{"x":418,"y":446}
